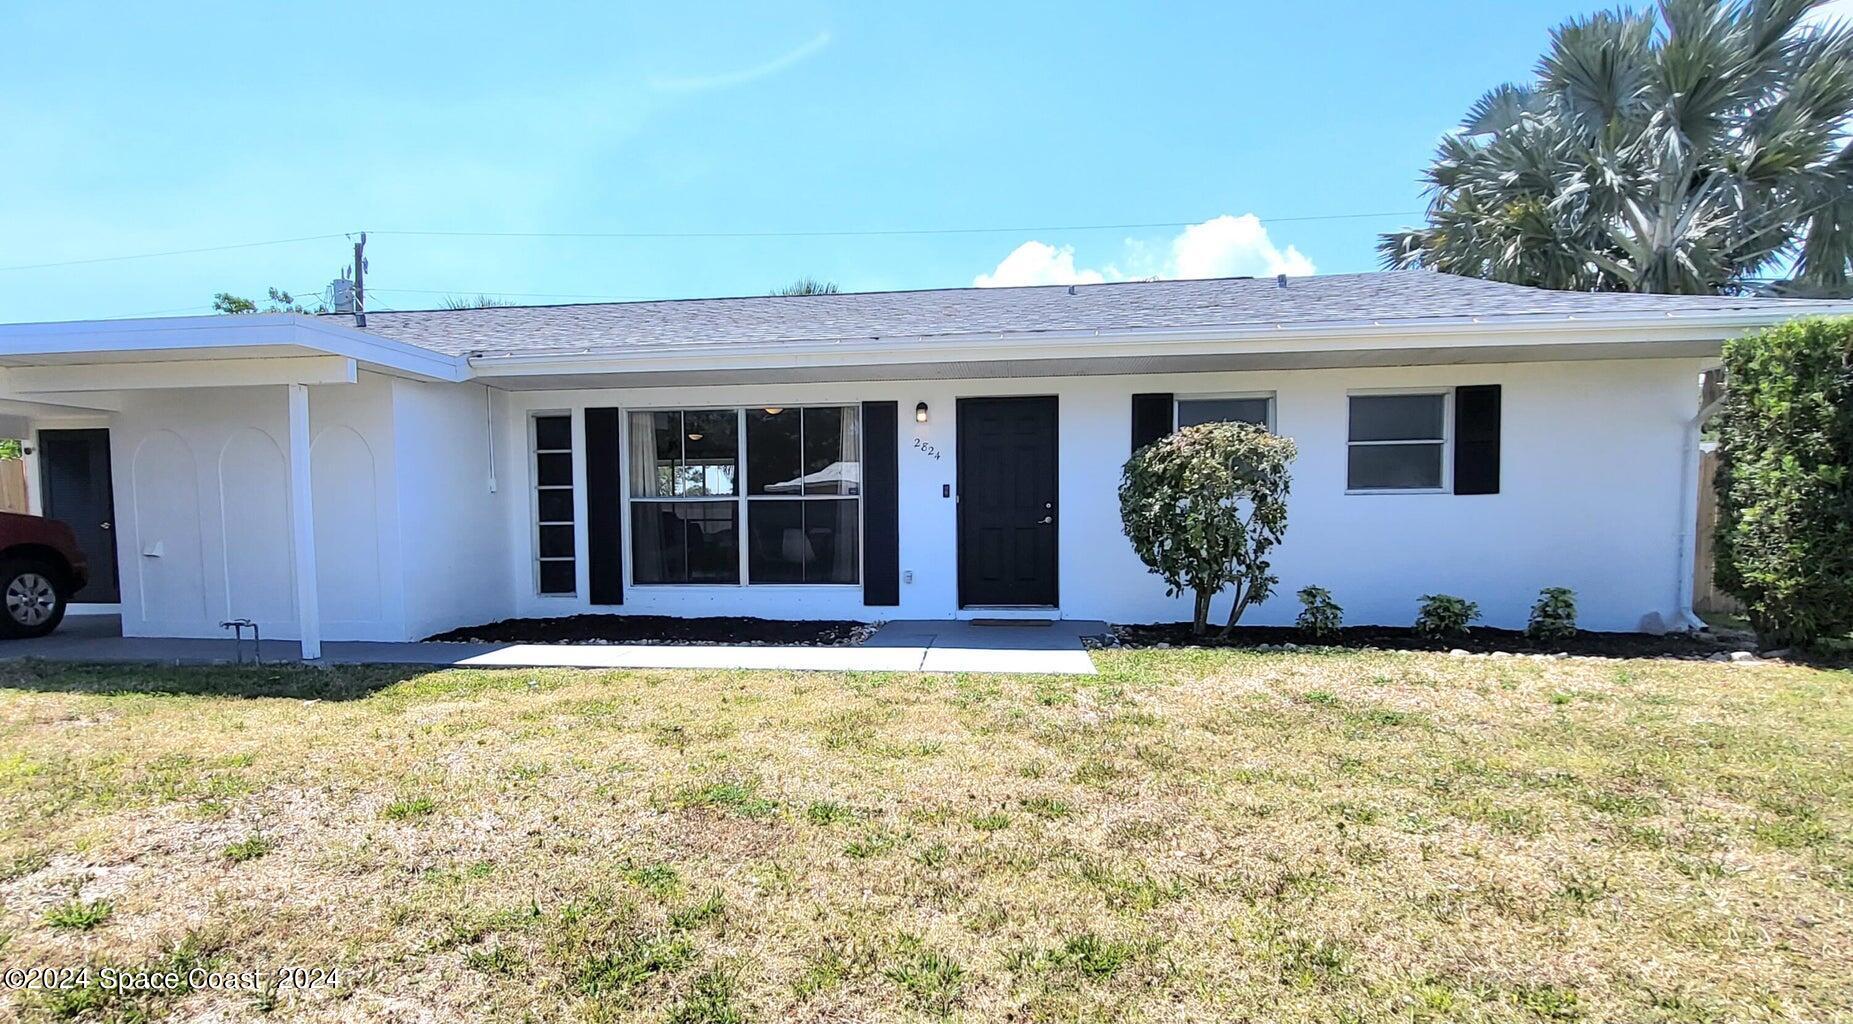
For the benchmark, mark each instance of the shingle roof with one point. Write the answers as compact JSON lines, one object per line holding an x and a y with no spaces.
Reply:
{"x":1107,"y":308}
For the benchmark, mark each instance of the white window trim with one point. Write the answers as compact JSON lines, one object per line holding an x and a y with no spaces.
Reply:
{"x":1446,"y":441}
{"x":740,"y":498}
{"x":1271,"y":396}
{"x":535,"y":487}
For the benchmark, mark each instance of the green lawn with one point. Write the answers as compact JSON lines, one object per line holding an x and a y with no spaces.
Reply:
{"x":1193,"y":835}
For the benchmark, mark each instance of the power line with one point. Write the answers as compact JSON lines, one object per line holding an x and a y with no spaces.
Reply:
{"x":152,"y":312}
{"x":697,"y":235}
{"x":877,"y":231}
{"x":171,"y":252}
{"x":467,"y":292}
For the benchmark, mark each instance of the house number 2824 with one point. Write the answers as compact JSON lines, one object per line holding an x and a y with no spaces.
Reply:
{"x":926,"y":448}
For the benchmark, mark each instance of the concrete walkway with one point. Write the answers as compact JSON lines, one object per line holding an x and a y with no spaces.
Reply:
{"x":904,"y":646}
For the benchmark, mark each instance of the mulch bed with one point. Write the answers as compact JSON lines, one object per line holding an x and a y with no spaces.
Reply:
{"x":661,"y":629}
{"x":1479,"y":640}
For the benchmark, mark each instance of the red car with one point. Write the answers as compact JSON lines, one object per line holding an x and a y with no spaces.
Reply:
{"x":40,"y":568}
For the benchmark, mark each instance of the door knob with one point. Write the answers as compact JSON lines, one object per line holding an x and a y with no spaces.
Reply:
{"x":105,"y":526}
{"x":1046,"y":520}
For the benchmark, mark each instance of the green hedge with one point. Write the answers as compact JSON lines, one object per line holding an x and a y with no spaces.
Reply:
{"x":1785,"y":491}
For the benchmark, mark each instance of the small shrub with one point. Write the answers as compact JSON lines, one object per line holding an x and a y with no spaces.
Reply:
{"x":77,"y":915}
{"x":1320,"y":616}
{"x":1204,"y":506}
{"x":1444,"y":615}
{"x":1554,"y":616}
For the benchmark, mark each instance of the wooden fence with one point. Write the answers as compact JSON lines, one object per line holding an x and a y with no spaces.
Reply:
{"x":1706,"y":597}
{"x":12,"y":485}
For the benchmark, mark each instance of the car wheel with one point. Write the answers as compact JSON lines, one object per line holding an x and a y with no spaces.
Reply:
{"x":32,"y":598}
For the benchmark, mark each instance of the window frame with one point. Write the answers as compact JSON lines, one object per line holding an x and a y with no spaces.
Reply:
{"x":1177,"y":402}
{"x":535,"y":487}
{"x":740,"y":497}
{"x":1445,"y":442}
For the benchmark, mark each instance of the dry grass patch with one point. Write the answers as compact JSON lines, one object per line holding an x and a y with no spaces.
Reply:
{"x":1192,"y":835}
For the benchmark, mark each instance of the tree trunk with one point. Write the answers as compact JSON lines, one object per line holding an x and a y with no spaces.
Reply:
{"x":1235,"y":611}
{"x":1200,"y":616}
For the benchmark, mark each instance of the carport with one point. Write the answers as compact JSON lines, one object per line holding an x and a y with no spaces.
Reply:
{"x":58,"y":377}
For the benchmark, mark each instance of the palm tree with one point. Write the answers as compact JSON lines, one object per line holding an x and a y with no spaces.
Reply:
{"x":478,"y":301}
{"x":1687,"y":149}
{"x":808,"y":286}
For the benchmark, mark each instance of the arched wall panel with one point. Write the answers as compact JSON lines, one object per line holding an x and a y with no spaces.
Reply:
{"x":167,"y":528}
{"x":347,"y":526}
{"x":254,"y":505}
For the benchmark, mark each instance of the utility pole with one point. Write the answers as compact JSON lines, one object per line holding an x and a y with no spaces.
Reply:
{"x":360,"y":287}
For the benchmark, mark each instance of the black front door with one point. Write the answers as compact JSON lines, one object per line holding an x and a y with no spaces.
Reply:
{"x":1007,"y":507}
{"x":74,"y":474}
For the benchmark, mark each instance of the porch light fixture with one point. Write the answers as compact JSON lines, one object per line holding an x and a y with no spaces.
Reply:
{"x":774,"y":410}
{"x":694,"y":437}
{"x":920,"y":413}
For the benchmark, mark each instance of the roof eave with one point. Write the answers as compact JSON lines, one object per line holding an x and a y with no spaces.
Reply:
{"x":1321,"y":336}
{"x":200,"y":336}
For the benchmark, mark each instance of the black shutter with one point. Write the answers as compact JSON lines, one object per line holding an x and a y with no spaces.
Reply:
{"x":1151,"y":419}
{"x":604,"y":504}
{"x":1476,"y":439}
{"x":881,"y":504}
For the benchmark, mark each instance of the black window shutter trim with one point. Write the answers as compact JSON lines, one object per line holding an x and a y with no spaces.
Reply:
{"x":881,"y":504}
{"x":1151,"y":418}
{"x":604,"y":532}
{"x":1476,"y":439}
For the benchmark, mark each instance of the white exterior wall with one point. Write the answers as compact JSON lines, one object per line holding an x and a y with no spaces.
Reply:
{"x":203,"y":517}
{"x":1590,"y":497}
{"x":452,"y":501}
{"x":424,"y":501}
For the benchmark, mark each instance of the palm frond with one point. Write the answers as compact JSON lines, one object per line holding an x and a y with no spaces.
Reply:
{"x":1687,"y":148}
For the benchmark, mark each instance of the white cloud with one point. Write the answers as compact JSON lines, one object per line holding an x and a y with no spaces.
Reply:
{"x":1038,"y":263}
{"x":729,"y":79}
{"x":1222,"y":246}
{"x":1232,"y":247}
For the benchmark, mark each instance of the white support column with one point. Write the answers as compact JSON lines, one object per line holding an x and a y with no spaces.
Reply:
{"x":302,"y":526}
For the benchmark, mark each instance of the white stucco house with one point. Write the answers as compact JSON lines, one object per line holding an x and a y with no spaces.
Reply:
{"x":925,"y":454}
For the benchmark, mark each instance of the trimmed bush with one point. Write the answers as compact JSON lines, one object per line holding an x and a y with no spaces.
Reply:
{"x":1203,"y":507}
{"x":1554,"y":616}
{"x":1320,"y":616}
{"x":1784,"y":542}
{"x":1444,"y":615}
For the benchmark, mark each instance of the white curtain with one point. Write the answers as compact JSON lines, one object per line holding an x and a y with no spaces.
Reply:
{"x":645,"y":474}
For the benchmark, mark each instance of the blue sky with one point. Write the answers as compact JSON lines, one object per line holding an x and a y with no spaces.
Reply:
{"x":130,"y":129}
